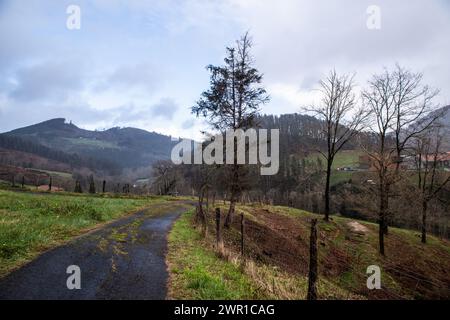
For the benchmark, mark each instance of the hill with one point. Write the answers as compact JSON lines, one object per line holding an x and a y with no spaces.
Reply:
{"x":277,"y":252}
{"x":112,"y":150}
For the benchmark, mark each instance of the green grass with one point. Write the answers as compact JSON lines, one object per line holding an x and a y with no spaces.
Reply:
{"x":55,"y":173}
{"x":197,"y":272}
{"x":31,"y":223}
{"x":346,"y":158}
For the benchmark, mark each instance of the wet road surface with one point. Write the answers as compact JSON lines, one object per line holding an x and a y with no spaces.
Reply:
{"x":122,"y":260}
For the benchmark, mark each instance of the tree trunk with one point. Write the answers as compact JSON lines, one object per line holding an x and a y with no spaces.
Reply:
{"x":383,"y":207}
{"x":424,"y":220}
{"x":312,"y":277}
{"x":229,"y":218}
{"x":219,"y":240}
{"x":327,"y":192}
{"x":242,"y":233}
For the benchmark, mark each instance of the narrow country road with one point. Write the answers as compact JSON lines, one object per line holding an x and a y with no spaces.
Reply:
{"x":122,"y":260}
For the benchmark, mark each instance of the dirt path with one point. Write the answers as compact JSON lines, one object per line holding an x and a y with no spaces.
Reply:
{"x":123,"y":260}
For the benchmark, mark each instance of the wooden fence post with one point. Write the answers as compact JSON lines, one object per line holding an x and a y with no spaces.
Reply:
{"x":219,"y":240}
{"x":312,"y":277}
{"x":50,"y":184}
{"x":242,"y":233}
{"x":23,"y":182}
{"x":104,"y":186}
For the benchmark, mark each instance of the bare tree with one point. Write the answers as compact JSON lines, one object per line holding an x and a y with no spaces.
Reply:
{"x":401,"y":109}
{"x":233,"y":102}
{"x":166,"y":176}
{"x":414,"y":110}
{"x":378,"y":99}
{"x":430,"y":181}
{"x":341,"y":119}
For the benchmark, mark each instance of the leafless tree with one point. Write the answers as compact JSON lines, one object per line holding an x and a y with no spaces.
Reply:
{"x":342,"y":120}
{"x":430,"y":180}
{"x":414,"y":108}
{"x":401,"y":109}
{"x":166,"y":176}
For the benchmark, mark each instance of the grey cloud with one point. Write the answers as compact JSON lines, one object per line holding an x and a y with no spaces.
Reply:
{"x":166,"y":108}
{"x":47,"y":82}
{"x":188,"y":124}
{"x":141,"y":76}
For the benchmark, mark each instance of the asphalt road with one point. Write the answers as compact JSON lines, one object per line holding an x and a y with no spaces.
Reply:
{"x":122,"y":260}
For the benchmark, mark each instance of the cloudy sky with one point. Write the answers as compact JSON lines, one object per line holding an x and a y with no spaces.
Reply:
{"x":142,"y":63}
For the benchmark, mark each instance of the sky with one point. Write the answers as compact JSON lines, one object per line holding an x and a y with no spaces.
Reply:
{"x":143,"y":63}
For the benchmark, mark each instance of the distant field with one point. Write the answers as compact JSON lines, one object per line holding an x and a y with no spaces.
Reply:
{"x":55,"y":173}
{"x":92,"y":143}
{"x":346,"y":158}
{"x":32,"y":223}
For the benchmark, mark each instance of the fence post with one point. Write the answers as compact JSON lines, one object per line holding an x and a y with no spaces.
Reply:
{"x":219,"y":240}
{"x":104,"y":186}
{"x":23,"y":182}
{"x":312,"y":277}
{"x":242,"y":233}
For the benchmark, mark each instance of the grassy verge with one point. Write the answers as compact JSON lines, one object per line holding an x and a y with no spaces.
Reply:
{"x":196,"y":272}
{"x":32,"y":223}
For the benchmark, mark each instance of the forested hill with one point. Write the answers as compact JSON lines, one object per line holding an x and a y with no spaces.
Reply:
{"x":112,"y":150}
{"x":299,"y":133}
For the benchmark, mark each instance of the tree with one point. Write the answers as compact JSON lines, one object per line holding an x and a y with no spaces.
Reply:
{"x":166,"y":176}
{"x":427,"y":156}
{"x":91,"y":184}
{"x":341,"y":120}
{"x":397,"y":102}
{"x":232,"y":102}
{"x":413,"y":107}
{"x":379,"y":101}
{"x":78,"y":188}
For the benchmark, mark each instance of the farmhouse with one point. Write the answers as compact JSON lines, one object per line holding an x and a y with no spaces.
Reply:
{"x":442,"y":159}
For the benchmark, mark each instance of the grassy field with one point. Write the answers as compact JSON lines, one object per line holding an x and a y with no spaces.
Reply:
{"x":92,"y":143}
{"x":66,"y":175}
{"x":276,"y":260}
{"x":345,"y":158}
{"x":31,"y":223}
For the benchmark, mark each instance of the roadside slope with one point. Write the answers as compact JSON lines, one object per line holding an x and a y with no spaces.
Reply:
{"x":276,"y":258}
